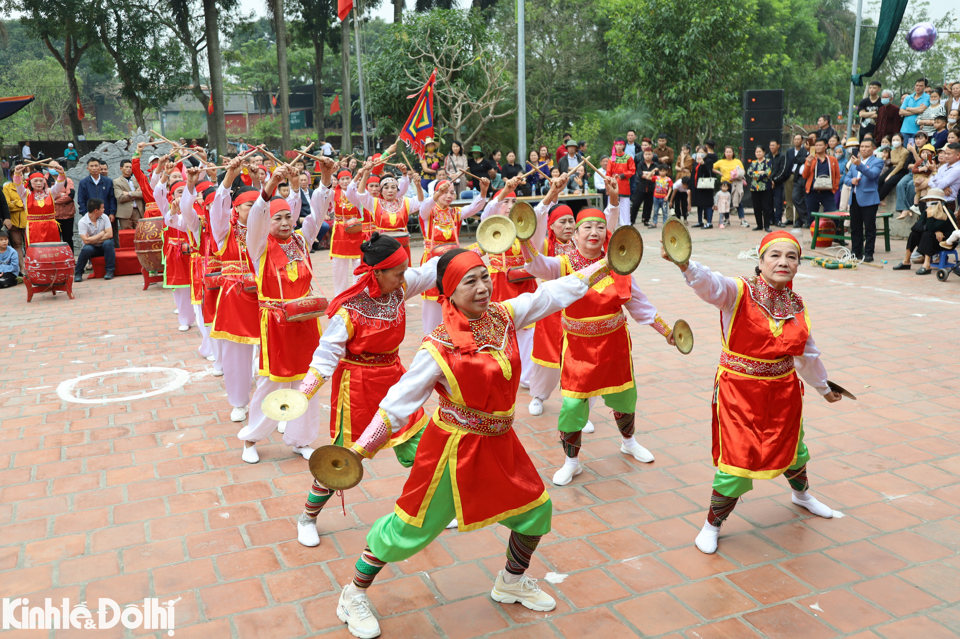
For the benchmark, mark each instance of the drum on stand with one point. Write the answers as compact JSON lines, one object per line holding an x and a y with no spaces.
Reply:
{"x":49,"y":267}
{"x":404,"y":238}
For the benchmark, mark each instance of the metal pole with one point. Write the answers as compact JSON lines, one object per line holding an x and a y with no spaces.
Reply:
{"x":521,"y":87}
{"x":853,"y":65}
{"x":363,"y":104}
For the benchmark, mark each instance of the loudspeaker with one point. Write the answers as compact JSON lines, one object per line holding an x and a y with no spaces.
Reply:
{"x":752,"y":139}
{"x":757,"y":120}
{"x":766,"y":99}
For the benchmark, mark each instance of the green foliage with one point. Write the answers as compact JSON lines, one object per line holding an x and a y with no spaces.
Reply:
{"x":254,"y":66}
{"x":44,"y":117}
{"x":191,"y":124}
{"x":267,"y":127}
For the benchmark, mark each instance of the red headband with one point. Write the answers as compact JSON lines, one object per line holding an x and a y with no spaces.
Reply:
{"x":557,"y":213}
{"x":590,"y":215}
{"x":373,"y":179}
{"x":778,"y":236}
{"x":36,"y":175}
{"x":277,"y":205}
{"x":367,"y":280}
{"x":174,"y":187}
{"x":344,"y":173}
{"x":456,"y":323}
{"x":510,"y":194}
{"x":208,"y":199}
{"x":246,"y":196}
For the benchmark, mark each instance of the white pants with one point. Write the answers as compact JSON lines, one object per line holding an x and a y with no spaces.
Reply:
{"x":954,"y":238}
{"x":237,"y":371}
{"x":343,"y":274}
{"x":208,"y":345}
{"x":525,"y":343}
{"x":299,"y":432}
{"x":624,"y":210}
{"x":432,"y":315}
{"x":185,"y":314}
{"x":543,"y":381}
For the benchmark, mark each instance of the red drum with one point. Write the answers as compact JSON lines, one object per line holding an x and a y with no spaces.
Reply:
{"x":303,"y":309}
{"x":213,"y":281}
{"x":442,"y":249}
{"x":148,"y":244}
{"x":518,"y":274}
{"x":49,"y":265}
{"x":401,"y":236}
{"x":353,"y":225}
{"x":249,"y":283}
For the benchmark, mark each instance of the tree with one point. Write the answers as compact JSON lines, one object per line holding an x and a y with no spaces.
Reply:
{"x":316,"y":26}
{"x":473,"y":86}
{"x":70,"y":22}
{"x":150,"y":65}
{"x":217,"y":133}
{"x":346,"y":142}
{"x":280,"y":28}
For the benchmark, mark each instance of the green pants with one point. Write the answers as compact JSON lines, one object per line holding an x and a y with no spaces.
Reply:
{"x":733,"y":486}
{"x":575,"y":411}
{"x":391,"y":539}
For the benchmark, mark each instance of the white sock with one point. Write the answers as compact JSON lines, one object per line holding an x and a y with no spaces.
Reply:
{"x":629,"y":441}
{"x":352,"y":590}
{"x":510,"y":578}
{"x":571,"y":461}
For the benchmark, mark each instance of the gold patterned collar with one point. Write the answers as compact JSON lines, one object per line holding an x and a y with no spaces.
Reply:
{"x":489,"y":331}
{"x":779,"y":304}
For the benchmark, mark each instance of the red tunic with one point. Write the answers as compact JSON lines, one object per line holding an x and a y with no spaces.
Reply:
{"x":443,"y":227}
{"x":176,"y":262}
{"x":758,"y":398}
{"x":392,"y":218}
{"x":286,"y":348}
{"x":202,"y":262}
{"x":471,"y":431}
{"x":238,"y":313}
{"x":343,"y":244}
{"x":499,"y":265}
{"x":596,"y":348}
{"x":41,"y":219}
{"x":370,"y":366}
{"x":548,"y":334}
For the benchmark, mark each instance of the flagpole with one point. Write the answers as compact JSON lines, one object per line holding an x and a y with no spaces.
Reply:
{"x":853,"y":65}
{"x":521,"y":86}
{"x":363,"y":104}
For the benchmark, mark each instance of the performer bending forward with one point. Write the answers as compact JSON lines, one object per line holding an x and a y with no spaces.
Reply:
{"x":595,"y":357}
{"x":470,"y":464}
{"x":359,"y":350}
{"x":758,"y":399}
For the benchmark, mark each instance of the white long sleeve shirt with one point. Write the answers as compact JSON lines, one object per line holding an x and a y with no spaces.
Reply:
{"x":333,"y":343}
{"x":721,"y":291}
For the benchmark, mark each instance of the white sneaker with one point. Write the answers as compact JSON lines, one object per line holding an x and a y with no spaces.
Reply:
{"x":307,"y":531}
{"x":281,"y":427}
{"x":707,"y":538}
{"x":176,"y":311}
{"x":639,"y":453}
{"x":566,"y":474}
{"x":211,"y":358}
{"x":353,"y":609}
{"x":250,"y":454}
{"x":238,"y":414}
{"x":183,"y":328}
{"x":526,"y":592}
{"x":305,"y":451}
{"x":453,"y":524}
{"x":536,"y":407}
{"x":808,"y":501}
{"x":588,"y":428}
{"x":217,"y":373}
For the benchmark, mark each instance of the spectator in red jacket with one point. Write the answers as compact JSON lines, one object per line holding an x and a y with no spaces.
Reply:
{"x":562,"y":149}
{"x":621,"y":167}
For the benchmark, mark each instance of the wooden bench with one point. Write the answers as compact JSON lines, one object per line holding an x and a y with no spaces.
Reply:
{"x":841,"y":233}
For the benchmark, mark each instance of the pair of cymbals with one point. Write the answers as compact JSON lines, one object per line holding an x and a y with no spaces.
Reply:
{"x":524,"y":219}
{"x":683,"y":337}
{"x":496,"y":234}
{"x":284,"y":404}
{"x":676,"y":241}
{"x":625,"y":250}
{"x":336,"y":467}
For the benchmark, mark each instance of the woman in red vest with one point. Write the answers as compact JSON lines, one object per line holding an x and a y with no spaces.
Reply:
{"x":758,"y":396}
{"x":38,"y":201}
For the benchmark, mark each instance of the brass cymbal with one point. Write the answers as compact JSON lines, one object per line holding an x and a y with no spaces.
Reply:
{"x":625,"y":250}
{"x":524,"y":219}
{"x":676,"y":241}
{"x":837,"y":388}
{"x":284,"y":404}
{"x":496,"y":234}
{"x":336,"y":467}
{"x":683,"y":337}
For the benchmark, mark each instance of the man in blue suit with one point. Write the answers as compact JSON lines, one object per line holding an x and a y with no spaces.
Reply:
{"x":864,"y":200}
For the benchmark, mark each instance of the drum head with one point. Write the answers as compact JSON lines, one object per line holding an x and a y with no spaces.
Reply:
{"x":676,"y":241}
{"x":336,"y":467}
{"x":284,"y":404}
{"x":683,"y":337}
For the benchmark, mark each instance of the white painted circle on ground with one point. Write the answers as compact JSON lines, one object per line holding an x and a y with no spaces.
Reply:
{"x":174,"y":379}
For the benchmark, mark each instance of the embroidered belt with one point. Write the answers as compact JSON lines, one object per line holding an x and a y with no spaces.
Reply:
{"x":41,"y":217}
{"x":234,"y":268}
{"x":758,"y":368}
{"x":472,"y":421}
{"x":502,"y":263}
{"x":592,"y":328}
{"x":372,"y":359}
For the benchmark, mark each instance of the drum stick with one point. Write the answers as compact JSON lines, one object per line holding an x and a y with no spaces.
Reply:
{"x":574,"y":169}
{"x":38,"y":162}
{"x":307,"y":155}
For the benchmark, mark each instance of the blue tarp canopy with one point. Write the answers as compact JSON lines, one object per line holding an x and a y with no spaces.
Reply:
{"x":9,"y":106}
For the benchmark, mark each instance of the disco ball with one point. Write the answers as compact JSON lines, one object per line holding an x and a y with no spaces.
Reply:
{"x":922,"y":36}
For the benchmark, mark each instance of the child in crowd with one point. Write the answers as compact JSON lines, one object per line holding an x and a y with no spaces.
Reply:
{"x":721,"y":203}
{"x":678,"y":198}
{"x":662,"y":190}
{"x":9,"y":262}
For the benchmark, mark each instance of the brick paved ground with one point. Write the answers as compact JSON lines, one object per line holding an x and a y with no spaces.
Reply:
{"x":132,"y":499}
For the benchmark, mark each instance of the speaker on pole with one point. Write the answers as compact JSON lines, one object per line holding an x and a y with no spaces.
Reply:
{"x":762,"y":119}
